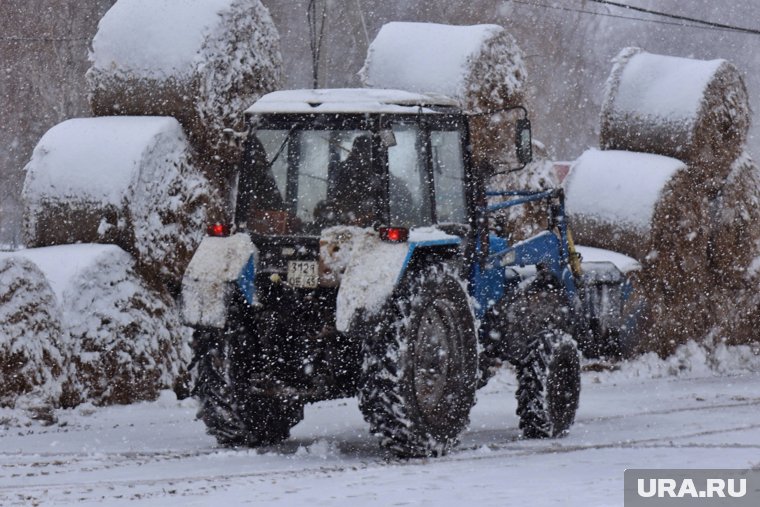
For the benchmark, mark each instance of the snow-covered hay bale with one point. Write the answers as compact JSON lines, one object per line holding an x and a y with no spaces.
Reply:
{"x":125,"y":342}
{"x":128,"y":181}
{"x":735,"y":254}
{"x":30,"y":332}
{"x":735,"y":225}
{"x":201,"y":61}
{"x":617,"y":200}
{"x":694,"y":110}
{"x":648,"y":206}
{"x":481,"y":66}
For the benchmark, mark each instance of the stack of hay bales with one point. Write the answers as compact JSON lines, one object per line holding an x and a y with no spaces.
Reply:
{"x":87,"y":327}
{"x":128,"y":181}
{"x":30,"y":332}
{"x":481,"y":67}
{"x":696,"y":112}
{"x":203,"y":62}
{"x":131,"y":178}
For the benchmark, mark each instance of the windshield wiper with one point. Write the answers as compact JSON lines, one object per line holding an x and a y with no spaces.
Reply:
{"x":282,"y":147}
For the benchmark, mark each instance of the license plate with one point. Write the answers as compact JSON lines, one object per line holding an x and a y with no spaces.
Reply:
{"x":303,"y":274}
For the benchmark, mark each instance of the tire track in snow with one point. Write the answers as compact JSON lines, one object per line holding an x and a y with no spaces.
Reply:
{"x":497,"y":451}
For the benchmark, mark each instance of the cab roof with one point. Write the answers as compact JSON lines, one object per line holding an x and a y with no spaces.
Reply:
{"x":351,"y":100}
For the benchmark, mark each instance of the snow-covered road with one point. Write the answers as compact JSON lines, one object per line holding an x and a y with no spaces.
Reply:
{"x":157,"y":454}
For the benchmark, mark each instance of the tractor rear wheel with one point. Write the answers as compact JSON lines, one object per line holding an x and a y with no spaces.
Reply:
{"x":233,"y":411}
{"x":420,"y":366}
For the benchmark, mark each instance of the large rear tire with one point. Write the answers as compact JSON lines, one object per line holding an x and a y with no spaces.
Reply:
{"x":420,"y":366}
{"x":234,"y":412}
{"x":547,"y":362}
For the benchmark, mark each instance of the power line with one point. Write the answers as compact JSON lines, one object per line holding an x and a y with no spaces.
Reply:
{"x":678,"y":17}
{"x":608,"y":15}
{"x":633,"y":18}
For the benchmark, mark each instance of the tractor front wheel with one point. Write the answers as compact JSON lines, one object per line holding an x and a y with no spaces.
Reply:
{"x":547,"y":362}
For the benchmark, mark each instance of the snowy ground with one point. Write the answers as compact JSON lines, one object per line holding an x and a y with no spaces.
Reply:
{"x":648,"y":414}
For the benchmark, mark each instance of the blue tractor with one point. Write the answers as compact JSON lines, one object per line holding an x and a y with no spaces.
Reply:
{"x":360,"y":262}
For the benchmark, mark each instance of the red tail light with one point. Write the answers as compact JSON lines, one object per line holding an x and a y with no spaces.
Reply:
{"x":394,"y":234}
{"x":218,"y":230}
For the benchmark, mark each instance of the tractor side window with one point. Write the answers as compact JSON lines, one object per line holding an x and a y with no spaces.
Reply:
{"x":408,"y":186}
{"x":448,"y":174}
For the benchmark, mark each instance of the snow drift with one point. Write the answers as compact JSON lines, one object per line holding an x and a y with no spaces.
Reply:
{"x":124,"y":342}
{"x":481,"y":66}
{"x":694,"y":110}
{"x":30,"y":332}
{"x":201,"y":61}
{"x":129,"y":181}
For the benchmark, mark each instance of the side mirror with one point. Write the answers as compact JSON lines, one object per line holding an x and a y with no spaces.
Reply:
{"x":524,"y":141}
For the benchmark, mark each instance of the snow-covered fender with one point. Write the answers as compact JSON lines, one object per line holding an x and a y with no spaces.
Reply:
{"x":209,"y":282}
{"x":376,"y":267}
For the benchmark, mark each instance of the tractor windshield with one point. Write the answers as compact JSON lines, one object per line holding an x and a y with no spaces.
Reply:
{"x":300,"y":181}
{"x":299,"y":177}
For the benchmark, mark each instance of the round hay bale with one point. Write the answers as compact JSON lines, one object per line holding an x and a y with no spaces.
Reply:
{"x":735,"y":225}
{"x":614,"y":199}
{"x":694,"y":110}
{"x":128,"y":181}
{"x":125,"y":340}
{"x":30,"y":333}
{"x":221,"y":57}
{"x":649,"y":207}
{"x":481,"y":66}
{"x":735,"y":254}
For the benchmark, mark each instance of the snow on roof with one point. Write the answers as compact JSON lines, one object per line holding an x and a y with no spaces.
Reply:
{"x":349,"y":100}
{"x":155,"y":36}
{"x":425,"y":57}
{"x":96,"y":159}
{"x":618,"y":186}
{"x":663,"y":86}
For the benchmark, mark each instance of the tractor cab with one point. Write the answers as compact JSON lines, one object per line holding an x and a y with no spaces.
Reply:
{"x":355,"y":157}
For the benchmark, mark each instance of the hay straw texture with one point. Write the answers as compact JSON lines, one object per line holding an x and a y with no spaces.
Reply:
{"x":201,"y":61}
{"x":30,"y":332}
{"x":616,"y":199}
{"x":128,"y":181}
{"x":735,"y":224}
{"x":481,"y":66}
{"x":124,"y":340}
{"x":735,"y":253}
{"x":649,"y":207}
{"x":694,"y":110}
